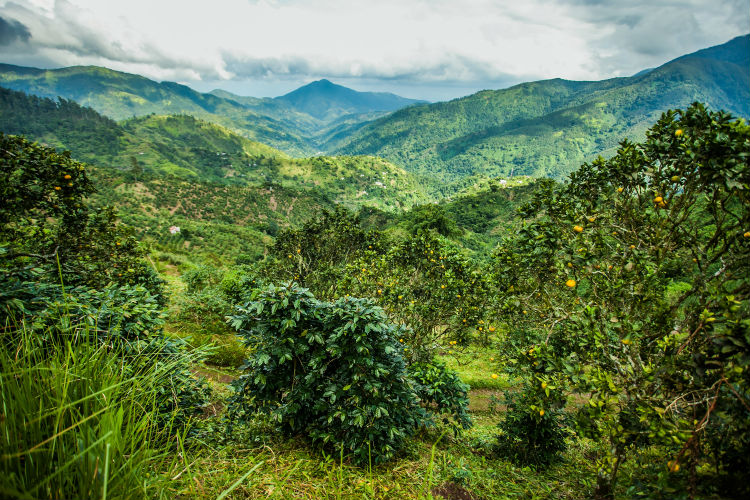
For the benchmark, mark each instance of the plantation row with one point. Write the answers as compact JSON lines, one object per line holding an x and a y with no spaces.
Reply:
{"x":616,"y":303}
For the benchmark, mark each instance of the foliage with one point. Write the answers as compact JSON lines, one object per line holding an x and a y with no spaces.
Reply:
{"x":442,"y":391}
{"x":328,"y":370}
{"x":316,"y":254}
{"x":45,"y":224}
{"x":595,"y":272}
{"x":533,"y":431}
{"x":88,"y":419}
{"x":431,"y":218}
{"x":428,"y":285}
{"x":422,"y":281}
{"x":123,"y":312}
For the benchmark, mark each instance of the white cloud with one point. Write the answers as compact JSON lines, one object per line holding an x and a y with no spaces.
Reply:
{"x":399,"y":43}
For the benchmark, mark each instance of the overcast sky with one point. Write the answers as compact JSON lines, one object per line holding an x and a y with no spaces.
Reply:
{"x":430,"y":49}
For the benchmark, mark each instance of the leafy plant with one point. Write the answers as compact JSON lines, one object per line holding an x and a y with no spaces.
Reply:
{"x":331,"y":371}
{"x":443,"y":393}
{"x":631,"y":281}
{"x":533,"y":430}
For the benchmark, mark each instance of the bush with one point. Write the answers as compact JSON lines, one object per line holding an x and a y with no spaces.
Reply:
{"x":125,"y":312}
{"x":443,"y":392}
{"x":532,"y":434}
{"x":330,"y":371}
{"x":127,"y":320}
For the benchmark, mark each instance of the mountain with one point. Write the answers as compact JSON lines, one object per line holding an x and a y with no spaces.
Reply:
{"x":183,"y":147}
{"x":299,"y":123}
{"x":119,"y":96}
{"x":548,"y":128}
{"x":327,"y":101}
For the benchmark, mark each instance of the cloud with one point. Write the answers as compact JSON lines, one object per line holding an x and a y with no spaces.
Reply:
{"x":467,"y":44}
{"x":12,"y":31}
{"x":647,"y":33}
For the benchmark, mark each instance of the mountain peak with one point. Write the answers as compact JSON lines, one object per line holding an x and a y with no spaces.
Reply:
{"x":326,"y":100}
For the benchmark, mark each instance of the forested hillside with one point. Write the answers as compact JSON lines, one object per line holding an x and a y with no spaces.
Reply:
{"x":548,"y":128}
{"x":187,"y":148}
{"x":297,"y":123}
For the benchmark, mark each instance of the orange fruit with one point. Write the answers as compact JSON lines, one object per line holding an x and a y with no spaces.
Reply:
{"x":678,"y":132}
{"x":570,"y":283}
{"x":577,"y":229}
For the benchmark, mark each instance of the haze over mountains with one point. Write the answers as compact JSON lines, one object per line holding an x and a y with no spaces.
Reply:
{"x":544,"y":128}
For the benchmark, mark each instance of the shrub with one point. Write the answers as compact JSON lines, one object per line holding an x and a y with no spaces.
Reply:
{"x":332,"y":371}
{"x":532,"y":430}
{"x":127,"y":313}
{"x":443,"y":392}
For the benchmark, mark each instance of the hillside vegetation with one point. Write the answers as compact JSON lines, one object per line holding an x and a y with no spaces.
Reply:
{"x":599,"y":351}
{"x":298,"y":123}
{"x":188,"y":148}
{"x":548,"y":128}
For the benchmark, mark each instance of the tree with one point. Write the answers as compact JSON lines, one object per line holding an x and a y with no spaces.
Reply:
{"x":47,"y":228}
{"x":636,"y":271}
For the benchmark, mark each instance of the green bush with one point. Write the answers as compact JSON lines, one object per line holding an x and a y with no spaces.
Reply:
{"x":332,"y":371}
{"x":532,"y":431}
{"x":442,"y":391}
{"x":123,"y":312}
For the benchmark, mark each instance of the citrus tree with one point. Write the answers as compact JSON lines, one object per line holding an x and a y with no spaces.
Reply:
{"x":629,"y":286}
{"x":48,"y":231}
{"x":428,"y":285}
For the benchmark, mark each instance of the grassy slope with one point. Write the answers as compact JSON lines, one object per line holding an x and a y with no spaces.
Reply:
{"x":551,"y":127}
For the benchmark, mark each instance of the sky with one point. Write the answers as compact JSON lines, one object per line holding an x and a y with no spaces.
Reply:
{"x":425,"y":49}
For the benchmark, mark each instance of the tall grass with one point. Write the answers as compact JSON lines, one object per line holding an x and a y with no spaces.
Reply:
{"x":78,"y":422}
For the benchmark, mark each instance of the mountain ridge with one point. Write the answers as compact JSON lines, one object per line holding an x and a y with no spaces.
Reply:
{"x":277,"y":122}
{"x":549,"y":127}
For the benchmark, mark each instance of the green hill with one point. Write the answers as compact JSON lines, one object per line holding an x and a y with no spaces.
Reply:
{"x":187,"y":148}
{"x":297,"y":123}
{"x":121,"y":96}
{"x":548,"y":128}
